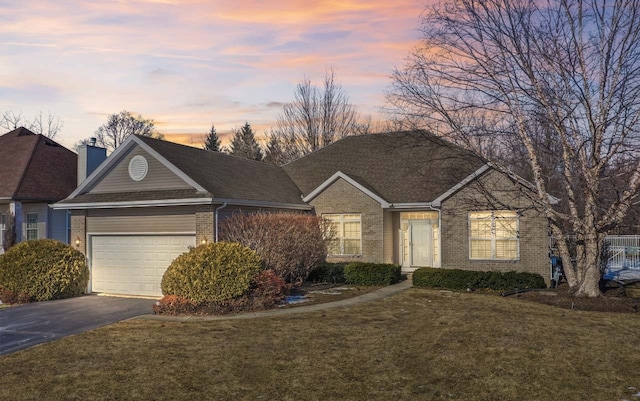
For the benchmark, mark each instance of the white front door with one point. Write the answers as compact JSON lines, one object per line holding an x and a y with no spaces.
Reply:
{"x":421,"y":243}
{"x":417,"y":240}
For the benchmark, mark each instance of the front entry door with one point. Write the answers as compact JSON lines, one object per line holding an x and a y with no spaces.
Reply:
{"x":421,"y":242}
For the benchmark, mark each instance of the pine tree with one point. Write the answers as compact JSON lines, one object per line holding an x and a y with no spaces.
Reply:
{"x":212,"y":142}
{"x":244,"y":144}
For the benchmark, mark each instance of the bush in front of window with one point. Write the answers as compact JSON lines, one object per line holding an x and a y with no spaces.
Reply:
{"x":42,"y":270}
{"x":455,"y":279}
{"x":360,"y":273}
{"x":289,"y":244}
{"x":328,"y":273}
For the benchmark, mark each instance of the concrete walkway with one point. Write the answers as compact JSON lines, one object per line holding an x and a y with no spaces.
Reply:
{"x":371,"y":296}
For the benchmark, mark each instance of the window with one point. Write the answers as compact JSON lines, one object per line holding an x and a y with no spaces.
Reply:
{"x":493,"y":235}
{"x":347,"y":232}
{"x":32,"y":226}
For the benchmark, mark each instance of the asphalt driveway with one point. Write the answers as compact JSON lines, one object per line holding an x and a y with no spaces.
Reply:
{"x":27,"y":325}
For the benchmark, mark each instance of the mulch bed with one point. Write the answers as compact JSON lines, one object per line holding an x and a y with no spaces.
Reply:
{"x":612,"y":300}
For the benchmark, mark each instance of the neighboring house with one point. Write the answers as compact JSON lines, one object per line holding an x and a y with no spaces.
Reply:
{"x":406,"y":198}
{"x":35,"y":172}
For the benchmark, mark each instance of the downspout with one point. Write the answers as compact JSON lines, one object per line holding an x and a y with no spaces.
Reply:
{"x":217,"y":209}
{"x":68,"y":227}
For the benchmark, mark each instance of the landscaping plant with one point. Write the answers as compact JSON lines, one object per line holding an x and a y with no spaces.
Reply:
{"x":42,"y":270}
{"x":289,"y":244}
{"x":214,"y":272}
{"x":359,"y":273}
{"x":455,"y":279}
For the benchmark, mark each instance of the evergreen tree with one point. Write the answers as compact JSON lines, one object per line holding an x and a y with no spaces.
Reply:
{"x":212,"y":142}
{"x":244,"y":144}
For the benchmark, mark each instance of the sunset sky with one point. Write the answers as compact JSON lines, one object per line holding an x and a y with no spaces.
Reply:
{"x":189,"y":63}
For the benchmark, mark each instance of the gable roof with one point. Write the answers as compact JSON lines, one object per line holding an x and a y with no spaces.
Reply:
{"x":214,"y":176}
{"x":402,"y":167}
{"x":34,"y":167}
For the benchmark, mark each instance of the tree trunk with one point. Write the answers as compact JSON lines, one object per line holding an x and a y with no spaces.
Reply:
{"x":588,"y":263}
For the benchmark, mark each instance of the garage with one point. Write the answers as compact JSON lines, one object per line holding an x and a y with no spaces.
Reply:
{"x":133,"y":264}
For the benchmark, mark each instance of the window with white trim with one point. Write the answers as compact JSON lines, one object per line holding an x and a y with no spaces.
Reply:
{"x":494,"y":235}
{"x":346,"y":232}
{"x":32,"y":226}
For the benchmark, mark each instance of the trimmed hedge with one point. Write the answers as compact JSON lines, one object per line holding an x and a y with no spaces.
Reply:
{"x":213,"y":272}
{"x":454,"y":279}
{"x":42,"y":270}
{"x":359,"y":273}
{"x":328,"y":273}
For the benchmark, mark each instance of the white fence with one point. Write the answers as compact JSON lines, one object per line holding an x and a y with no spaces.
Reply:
{"x":623,"y":251}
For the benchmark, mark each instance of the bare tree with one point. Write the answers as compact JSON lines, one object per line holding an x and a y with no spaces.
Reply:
{"x":119,"y":126}
{"x":573,"y":66}
{"x":315,"y":118}
{"x":48,"y":126}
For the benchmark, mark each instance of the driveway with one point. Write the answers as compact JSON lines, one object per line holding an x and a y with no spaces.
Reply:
{"x":27,"y":325}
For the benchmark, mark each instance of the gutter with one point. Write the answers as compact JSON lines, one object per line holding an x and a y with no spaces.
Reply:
{"x":217,"y":209}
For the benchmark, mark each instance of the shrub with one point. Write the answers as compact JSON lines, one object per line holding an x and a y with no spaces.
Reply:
{"x":175,"y":305}
{"x":371,"y":273}
{"x":454,"y":279}
{"x":266,"y":291}
{"x":42,"y":270}
{"x":289,"y":244}
{"x":328,"y":273}
{"x":214,"y":272}
{"x":13,"y":297}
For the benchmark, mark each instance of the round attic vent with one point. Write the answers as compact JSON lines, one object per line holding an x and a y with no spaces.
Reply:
{"x":138,"y":168}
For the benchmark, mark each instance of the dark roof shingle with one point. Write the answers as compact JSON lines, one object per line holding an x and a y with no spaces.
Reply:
{"x":34,"y":167}
{"x":402,"y":167}
{"x":229,"y":177}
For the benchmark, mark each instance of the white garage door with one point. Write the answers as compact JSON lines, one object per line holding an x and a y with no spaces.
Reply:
{"x":134,"y":264}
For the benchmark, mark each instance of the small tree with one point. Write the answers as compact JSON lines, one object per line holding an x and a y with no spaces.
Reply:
{"x":119,"y":126}
{"x":244,"y":144}
{"x":211,"y":141}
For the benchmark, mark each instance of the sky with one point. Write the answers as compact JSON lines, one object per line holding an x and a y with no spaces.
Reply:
{"x":188,"y":64}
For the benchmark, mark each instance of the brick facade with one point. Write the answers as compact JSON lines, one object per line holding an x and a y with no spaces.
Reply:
{"x":205,"y":223}
{"x":79,"y":230}
{"x":342,"y":197}
{"x":533,"y":227}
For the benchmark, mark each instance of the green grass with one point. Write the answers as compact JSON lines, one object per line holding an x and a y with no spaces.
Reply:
{"x":419,"y":345}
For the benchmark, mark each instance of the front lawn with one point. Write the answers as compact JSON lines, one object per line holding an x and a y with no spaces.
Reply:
{"x":419,"y":345}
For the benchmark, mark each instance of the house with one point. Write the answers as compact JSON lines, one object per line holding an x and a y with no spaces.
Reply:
{"x":151,"y":200}
{"x":35,"y":172}
{"x":406,"y":198}
{"x":416,"y":200}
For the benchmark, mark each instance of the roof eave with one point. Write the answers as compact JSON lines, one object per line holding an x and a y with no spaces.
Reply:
{"x":129,"y":204}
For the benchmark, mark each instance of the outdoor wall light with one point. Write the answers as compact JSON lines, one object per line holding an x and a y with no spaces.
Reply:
{"x":77,"y":242}
{"x":204,"y":240}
